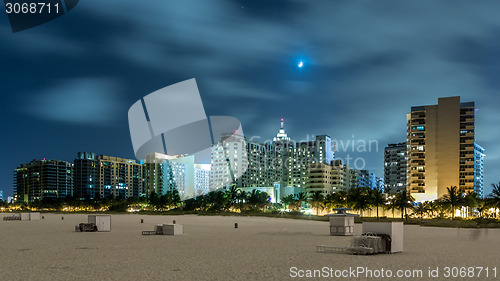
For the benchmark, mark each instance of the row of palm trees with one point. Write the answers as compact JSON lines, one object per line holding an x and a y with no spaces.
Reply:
{"x":359,"y":199}
{"x":457,"y":199}
{"x":230,"y":199}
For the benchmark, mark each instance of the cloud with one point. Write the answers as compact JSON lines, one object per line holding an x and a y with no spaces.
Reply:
{"x":85,"y":101}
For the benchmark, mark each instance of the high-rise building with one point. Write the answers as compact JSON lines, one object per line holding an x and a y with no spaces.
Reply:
{"x":359,"y":178}
{"x":1,"y":195}
{"x":229,"y":160}
{"x":264,"y":165}
{"x":304,"y":155}
{"x":41,"y":179}
{"x":328,"y":178}
{"x":284,"y":148}
{"x":479,"y":170}
{"x":201,"y":178}
{"x":440,"y":141}
{"x":395,"y":168}
{"x":86,"y":175}
{"x":152,"y":174}
{"x":168,"y":173}
{"x":333,"y":177}
{"x":119,"y":177}
{"x":380,"y":184}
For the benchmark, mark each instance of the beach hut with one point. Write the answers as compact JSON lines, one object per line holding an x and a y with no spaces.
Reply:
{"x":173,"y":229}
{"x":393,"y":229}
{"x":25,"y":216}
{"x":34,"y":216}
{"x":341,"y":223}
{"x":103,"y":222}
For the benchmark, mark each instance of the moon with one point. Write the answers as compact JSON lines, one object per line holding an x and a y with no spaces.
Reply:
{"x":301,"y":64}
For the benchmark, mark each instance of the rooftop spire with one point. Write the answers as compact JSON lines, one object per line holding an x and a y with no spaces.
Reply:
{"x":281,"y":136}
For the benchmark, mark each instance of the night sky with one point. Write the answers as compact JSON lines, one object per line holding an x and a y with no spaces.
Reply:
{"x":67,"y":85}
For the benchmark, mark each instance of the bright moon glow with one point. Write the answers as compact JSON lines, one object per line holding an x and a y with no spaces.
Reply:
{"x":301,"y":64}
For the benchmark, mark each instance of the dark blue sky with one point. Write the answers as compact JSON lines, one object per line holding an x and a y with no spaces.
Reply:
{"x":67,"y":85}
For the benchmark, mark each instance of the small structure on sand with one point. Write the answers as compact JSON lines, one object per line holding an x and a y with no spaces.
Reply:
{"x":34,"y":216}
{"x":23,"y":217}
{"x":341,"y":223}
{"x":166,"y":229}
{"x":377,"y":237}
{"x":96,"y":223}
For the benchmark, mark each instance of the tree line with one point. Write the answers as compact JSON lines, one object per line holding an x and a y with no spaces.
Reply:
{"x":232,"y":199}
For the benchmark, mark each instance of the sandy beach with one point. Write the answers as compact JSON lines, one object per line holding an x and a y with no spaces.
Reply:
{"x":212,"y":249}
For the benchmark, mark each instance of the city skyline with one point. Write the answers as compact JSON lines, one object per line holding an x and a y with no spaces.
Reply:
{"x":360,"y":73}
{"x":281,"y":164}
{"x":350,"y":146}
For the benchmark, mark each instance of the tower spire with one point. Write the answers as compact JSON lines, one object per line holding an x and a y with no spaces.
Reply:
{"x":281,"y":136}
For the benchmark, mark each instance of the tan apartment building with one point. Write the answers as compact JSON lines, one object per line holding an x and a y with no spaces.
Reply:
{"x":119,"y":177}
{"x":440,"y":147}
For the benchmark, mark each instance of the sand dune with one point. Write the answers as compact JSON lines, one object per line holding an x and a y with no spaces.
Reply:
{"x":212,"y":249}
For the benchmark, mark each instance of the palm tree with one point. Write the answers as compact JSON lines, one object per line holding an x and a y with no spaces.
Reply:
{"x":154,"y":200}
{"x":241,"y":199}
{"x":341,"y":197}
{"x":494,"y":197}
{"x":471,"y":201}
{"x":402,"y":201}
{"x":316,"y":200}
{"x":288,"y":201}
{"x":422,"y":209}
{"x":481,"y":207}
{"x":232,"y":195}
{"x":433,"y":208}
{"x":358,"y":199}
{"x":258,"y":199}
{"x":453,"y":199}
{"x":299,"y":199}
{"x":377,"y":198}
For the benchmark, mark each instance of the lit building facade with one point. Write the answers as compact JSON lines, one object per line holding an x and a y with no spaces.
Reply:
{"x":168,"y":173}
{"x":86,"y":175}
{"x":479,"y":170}
{"x":119,"y":177}
{"x":264,"y":165}
{"x":41,"y":179}
{"x":334,"y":177}
{"x":395,"y":161}
{"x":327,"y":178}
{"x":201,"y":179}
{"x":441,"y":145}
{"x":228,"y":161}
{"x":359,"y":178}
{"x":283,"y":166}
{"x":305,"y":155}
{"x":381,"y":184}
